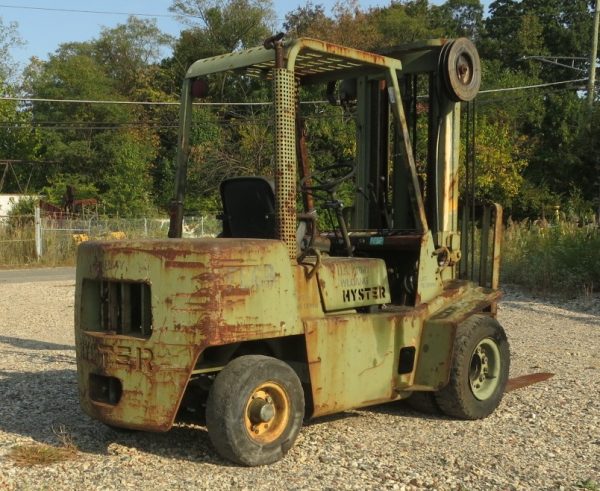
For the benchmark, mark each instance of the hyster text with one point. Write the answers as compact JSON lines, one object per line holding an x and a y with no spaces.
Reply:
{"x":360,"y":294}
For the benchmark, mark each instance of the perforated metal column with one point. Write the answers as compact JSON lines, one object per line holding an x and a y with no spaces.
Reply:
{"x":284,"y":87}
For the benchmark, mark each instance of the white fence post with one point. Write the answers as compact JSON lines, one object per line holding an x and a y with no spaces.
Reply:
{"x":202,"y":226}
{"x":38,"y":233}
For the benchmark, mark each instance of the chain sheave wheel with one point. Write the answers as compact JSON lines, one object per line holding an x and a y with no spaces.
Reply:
{"x":459,"y":68}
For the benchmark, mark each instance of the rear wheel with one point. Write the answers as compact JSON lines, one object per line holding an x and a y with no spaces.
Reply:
{"x":255,"y":410}
{"x":480,"y":365}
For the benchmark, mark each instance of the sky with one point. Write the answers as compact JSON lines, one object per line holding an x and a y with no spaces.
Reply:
{"x":44,"y":30}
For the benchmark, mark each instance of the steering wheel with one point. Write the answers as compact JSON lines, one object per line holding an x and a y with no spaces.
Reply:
{"x":327,"y":179}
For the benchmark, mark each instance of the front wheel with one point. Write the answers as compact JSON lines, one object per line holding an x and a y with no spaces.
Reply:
{"x":255,"y":410}
{"x":480,"y":365}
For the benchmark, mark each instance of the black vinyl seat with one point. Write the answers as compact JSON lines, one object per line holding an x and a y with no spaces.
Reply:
{"x":248,"y":208}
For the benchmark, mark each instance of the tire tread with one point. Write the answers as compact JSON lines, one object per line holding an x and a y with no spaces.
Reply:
{"x":221,"y":422}
{"x":456,"y":399}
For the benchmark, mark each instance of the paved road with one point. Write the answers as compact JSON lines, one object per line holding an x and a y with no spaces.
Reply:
{"x":36,"y":274}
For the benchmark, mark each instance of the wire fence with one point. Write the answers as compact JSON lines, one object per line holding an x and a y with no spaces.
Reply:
{"x":53,"y":240}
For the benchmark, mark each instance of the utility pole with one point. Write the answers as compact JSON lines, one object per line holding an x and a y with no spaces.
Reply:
{"x":593,"y":56}
{"x":591,"y":86}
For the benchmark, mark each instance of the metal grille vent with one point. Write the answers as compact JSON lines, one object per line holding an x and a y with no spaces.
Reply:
{"x":125,"y":308}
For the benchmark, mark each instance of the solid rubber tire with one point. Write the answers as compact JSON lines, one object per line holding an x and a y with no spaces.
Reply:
{"x":456,"y":399}
{"x":226,"y":404}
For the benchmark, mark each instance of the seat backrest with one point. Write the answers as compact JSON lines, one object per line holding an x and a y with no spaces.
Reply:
{"x":248,"y":208}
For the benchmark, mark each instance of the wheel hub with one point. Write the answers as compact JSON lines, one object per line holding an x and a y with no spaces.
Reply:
{"x":261,"y":411}
{"x":484,"y":369}
{"x":267,"y":412}
{"x":464,"y":70}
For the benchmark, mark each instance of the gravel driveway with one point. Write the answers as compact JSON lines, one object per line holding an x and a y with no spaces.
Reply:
{"x":546,"y":436}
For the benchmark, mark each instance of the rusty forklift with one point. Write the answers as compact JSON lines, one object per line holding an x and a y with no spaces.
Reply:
{"x":280,"y":319}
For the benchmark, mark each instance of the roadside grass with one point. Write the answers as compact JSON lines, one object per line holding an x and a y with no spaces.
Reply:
{"x":557,"y":259}
{"x":17,"y":248}
{"x":44,"y":454}
{"x":17,"y":245}
{"x":61,"y":237}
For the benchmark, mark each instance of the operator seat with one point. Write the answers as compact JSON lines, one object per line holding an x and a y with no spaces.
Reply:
{"x":249,"y":211}
{"x":248,"y":208}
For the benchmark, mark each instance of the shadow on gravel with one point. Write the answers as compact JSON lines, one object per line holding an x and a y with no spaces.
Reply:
{"x":34,"y":344}
{"x":586,"y":317}
{"x":36,"y":404}
{"x":35,"y":359}
{"x":398,"y":409}
{"x":588,"y":305}
{"x":331,"y":418}
{"x":182,"y":442}
{"x":401,"y":409}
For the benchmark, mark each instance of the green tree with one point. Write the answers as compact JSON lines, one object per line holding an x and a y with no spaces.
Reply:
{"x":306,"y":19}
{"x":561,"y":161}
{"x":18,"y":140}
{"x":349,"y":25}
{"x":54,"y":192}
{"x":503,"y":22}
{"x":556,"y":27}
{"x":216,"y":28}
{"x":229,"y":25}
{"x":500,"y":161}
{"x":130,"y":54}
{"x":404,"y":22}
{"x":459,"y":18}
{"x":9,"y":39}
{"x":71,"y":132}
{"x":128,"y":182}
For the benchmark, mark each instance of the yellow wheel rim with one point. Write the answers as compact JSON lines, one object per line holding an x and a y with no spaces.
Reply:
{"x":267,"y":412}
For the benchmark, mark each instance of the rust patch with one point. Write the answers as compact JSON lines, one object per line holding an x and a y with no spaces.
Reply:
{"x":232,"y":291}
{"x":354,"y":53}
{"x":184,"y":264}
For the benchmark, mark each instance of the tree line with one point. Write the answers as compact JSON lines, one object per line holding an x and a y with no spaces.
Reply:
{"x":537,"y":148}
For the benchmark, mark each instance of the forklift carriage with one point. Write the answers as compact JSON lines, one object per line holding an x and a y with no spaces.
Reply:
{"x":277,"y":320}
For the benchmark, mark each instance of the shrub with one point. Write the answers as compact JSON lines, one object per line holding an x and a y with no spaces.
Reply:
{"x":561,"y":258}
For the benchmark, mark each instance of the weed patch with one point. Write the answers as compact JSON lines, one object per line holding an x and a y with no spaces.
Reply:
{"x":43,"y":454}
{"x":561,"y":258}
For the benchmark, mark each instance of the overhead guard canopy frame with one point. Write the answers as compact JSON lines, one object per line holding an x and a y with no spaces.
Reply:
{"x":307,"y":58}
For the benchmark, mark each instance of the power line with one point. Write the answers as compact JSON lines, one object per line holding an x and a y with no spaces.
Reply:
{"x":542,"y":17}
{"x":517,"y":97}
{"x":133,"y":103}
{"x":102,"y":12}
{"x":553,"y":60}
{"x":524,"y":87}
{"x":163,"y":103}
{"x":87,"y":101}
{"x":143,"y":103}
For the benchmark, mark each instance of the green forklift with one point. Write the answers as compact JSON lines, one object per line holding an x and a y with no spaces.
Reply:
{"x":280,"y":318}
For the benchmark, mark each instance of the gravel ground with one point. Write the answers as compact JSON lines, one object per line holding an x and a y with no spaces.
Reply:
{"x":546,"y":436}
